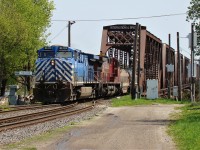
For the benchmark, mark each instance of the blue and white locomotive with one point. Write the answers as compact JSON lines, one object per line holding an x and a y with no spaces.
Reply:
{"x":64,"y":73}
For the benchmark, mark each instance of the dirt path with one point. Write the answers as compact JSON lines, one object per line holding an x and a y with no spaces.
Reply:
{"x":141,"y":127}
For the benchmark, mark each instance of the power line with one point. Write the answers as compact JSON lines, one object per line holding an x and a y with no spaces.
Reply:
{"x":145,"y":17}
{"x":182,"y":49}
{"x":58,"y":33}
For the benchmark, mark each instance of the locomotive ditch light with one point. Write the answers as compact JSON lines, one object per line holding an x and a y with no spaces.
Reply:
{"x":52,"y":62}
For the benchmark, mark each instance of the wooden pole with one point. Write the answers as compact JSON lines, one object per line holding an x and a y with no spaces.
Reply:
{"x":192,"y":64}
{"x":138,"y":77}
{"x":133,"y":89}
{"x":169,"y":73}
{"x":69,"y":33}
{"x":179,"y":70}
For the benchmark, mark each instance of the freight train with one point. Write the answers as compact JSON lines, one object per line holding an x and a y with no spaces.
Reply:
{"x":128,"y":53}
{"x":65,"y":74}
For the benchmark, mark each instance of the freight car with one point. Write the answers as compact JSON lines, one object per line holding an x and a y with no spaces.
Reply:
{"x":64,"y":74}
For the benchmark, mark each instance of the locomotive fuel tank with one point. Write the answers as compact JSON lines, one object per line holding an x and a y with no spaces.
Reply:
{"x":85,"y":92}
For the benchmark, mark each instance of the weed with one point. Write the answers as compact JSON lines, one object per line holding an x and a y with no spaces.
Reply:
{"x":127,"y":101}
{"x":186,"y":129}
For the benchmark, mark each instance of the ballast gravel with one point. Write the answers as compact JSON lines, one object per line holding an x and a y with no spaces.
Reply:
{"x":16,"y":135}
{"x":22,"y":112}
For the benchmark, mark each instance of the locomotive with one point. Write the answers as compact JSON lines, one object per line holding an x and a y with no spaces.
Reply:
{"x":66,"y":74}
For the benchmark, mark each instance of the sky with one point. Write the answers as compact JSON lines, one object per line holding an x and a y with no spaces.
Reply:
{"x":86,"y":36}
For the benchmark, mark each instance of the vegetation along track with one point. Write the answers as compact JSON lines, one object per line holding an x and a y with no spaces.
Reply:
{"x":30,"y":119}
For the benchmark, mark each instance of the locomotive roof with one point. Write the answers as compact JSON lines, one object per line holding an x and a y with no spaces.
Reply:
{"x":56,"y":48}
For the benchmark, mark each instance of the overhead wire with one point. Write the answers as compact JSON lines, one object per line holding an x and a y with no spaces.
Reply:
{"x":58,"y":33}
{"x":115,"y":19}
{"x":90,"y":20}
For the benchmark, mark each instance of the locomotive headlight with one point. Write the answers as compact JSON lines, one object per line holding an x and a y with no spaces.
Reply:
{"x":52,"y":62}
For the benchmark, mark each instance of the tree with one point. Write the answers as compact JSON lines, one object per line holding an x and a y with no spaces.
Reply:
{"x":23,"y":24}
{"x":193,"y":14}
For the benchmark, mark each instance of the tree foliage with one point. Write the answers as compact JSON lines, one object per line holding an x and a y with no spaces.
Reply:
{"x":193,"y":14}
{"x":23,"y":25}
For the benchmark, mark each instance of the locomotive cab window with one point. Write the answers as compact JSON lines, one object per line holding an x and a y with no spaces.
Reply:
{"x":46,"y":54}
{"x":64,"y":54}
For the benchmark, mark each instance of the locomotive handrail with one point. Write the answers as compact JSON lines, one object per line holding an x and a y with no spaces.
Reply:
{"x":97,"y":77}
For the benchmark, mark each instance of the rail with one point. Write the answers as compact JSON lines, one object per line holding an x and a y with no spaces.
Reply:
{"x":17,"y":118}
{"x":41,"y":119}
{"x":19,"y":108}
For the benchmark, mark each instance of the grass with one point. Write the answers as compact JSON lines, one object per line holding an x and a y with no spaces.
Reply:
{"x":4,"y":107}
{"x":186,"y":129}
{"x":127,"y":101}
{"x":29,"y":143}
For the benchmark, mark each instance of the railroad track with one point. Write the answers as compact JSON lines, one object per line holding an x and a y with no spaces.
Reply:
{"x":19,"y":108}
{"x":30,"y":119}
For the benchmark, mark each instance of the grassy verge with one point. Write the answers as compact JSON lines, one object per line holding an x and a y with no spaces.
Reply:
{"x":30,"y":143}
{"x":127,"y":101}
{"x":186,"y":129}
{"x":4,"y":107}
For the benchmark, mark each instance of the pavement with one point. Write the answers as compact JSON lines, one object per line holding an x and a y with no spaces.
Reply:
{"x":124,"y":128}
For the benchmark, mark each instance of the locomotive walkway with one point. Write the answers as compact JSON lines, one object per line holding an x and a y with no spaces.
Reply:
{"x":141,"y":127}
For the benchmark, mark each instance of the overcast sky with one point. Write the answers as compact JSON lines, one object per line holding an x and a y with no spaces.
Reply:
{"x":86,"y":36}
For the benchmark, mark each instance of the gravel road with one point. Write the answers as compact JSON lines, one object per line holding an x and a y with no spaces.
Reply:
{"x":141,"y":127}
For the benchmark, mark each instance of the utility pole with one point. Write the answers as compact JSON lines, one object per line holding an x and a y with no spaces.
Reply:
{"x":69,"y":32}
{"x":133,"y":86}
{"x":29,"y":77}
{"x":169,"y":73}
{"x":192,"y":64}
{"x":179,"y":70}
{"x":138,"y":77}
